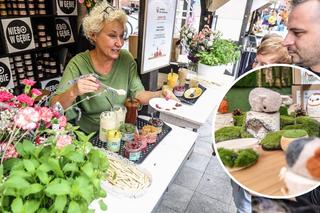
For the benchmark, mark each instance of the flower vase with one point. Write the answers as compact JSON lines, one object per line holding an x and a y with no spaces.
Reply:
{"x":211,"y":72}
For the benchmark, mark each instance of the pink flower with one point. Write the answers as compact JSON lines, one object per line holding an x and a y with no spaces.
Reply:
{"x":40,"y":140}
{"x":28,"y":82}
{"x":81,"y":1}
{"x":10,"y":153}
{"x":63,"y":140}
{"x":46,"y":113}
{"x":62,"y":121}
{"x":27,"y":118}
{"x":5,"y":96}
{"x":25,"y":99}
{"x":36,"y":92}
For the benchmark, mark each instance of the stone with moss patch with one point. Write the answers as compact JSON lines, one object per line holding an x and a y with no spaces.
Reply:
{"x":227,"y":133}
{"x":239,"y":120}
{"x":286,"y":120}
{"x":295,"y":133}
{"x":272,"y":140}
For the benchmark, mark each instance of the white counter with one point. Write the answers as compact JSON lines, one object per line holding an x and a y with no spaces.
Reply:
{"x":162,"y":163}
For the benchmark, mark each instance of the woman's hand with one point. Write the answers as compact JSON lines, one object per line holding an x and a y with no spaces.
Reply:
{"x":85,"y":85}
{"x":168,"y":94}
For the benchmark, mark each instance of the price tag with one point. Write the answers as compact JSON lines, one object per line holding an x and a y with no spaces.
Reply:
{"x":18,"y":34}
{"x":66,"y":7}
{"x":64,"y":31}
{"x":5,"y":73}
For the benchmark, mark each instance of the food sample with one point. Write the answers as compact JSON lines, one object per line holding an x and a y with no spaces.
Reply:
{"x":149,"y":133}
{"x":127,"y":131}
{"x":113,"y":140}
{"x":179,"y":90}
{"x":172,"y":79}
{"x":156,"y":122}
{"x":126,"y":176}
{"x":132,"y":150}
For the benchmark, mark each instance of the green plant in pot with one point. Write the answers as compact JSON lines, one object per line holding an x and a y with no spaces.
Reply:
{"x":222,"y":52}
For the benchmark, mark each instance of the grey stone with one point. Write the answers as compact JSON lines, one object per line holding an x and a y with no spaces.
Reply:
{"x":215,"y":187}
{"x":204,"y":204}
{"x":177,"y":198}
{"x":214,"y":168}
{"x":188,"y":177}
{"x":163,"y":209}
{"x":198,"y":161}
{"x":203,"y":148}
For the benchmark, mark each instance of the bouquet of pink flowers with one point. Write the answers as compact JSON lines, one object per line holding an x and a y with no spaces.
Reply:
{"x":197,"y":42}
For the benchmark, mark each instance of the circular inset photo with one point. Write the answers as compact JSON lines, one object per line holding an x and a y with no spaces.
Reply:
{"x":267,"y":129}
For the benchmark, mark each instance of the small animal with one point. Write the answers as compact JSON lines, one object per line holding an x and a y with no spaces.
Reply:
{"x":264,"y":100}
{"x":313,"y":105}
{"x":303,"y":157}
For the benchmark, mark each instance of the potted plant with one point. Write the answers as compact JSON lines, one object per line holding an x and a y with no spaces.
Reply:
{"x":46,"y":164}
{"x":216,"y":59}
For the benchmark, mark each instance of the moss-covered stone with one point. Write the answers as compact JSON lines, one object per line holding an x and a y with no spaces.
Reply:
{"x":283,"y":110}
{"x":246,"y":157}
{"x":272,"y":140}
{"x":239,"y":120}
{"x":245,"y":134}
{"x":294,"y":133}
{"x":227,"y":157}
{"x":311,"y":125}
{"x":227,"y":133}
{"x":286,"y":120}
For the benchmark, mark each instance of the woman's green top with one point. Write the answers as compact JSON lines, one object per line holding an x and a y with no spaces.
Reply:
{"x":122,"y":76}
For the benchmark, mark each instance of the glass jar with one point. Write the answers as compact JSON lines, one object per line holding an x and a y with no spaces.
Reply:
{"x":108,"y":121}
{"x":132,"y":106}
{"x":121,"y":112}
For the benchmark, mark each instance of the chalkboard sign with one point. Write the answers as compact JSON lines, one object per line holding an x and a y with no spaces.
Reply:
{"x":5,"y":73}
{"x":51,"y":84}
{"x":18,"y":34}
{"x":64,"y":31}
{"x":66,"y":7}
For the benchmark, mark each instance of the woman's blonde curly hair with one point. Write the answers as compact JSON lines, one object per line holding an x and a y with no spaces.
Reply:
{"x":102,"y":12}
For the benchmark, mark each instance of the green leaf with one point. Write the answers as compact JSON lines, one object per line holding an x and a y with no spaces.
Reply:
{"x":76,"y":157}
{"x":20,"y":173}
{"x":74,"y":207}
{"x":9,"y":192}
{"x":17,"y":205}
{"x":20,"y":150}
{"x":58,"y":188}
{"x":44,"y":167}
{"x":1,"y":173}
{"x":43,"y":210}
{"x":31,"y":206}
{"x":70,"y":167}
{"x":55,"y":166}
{"x":60,"y":203}
{"x":28,"y":147}
{"x":67,"y":150}
{"x":29,"y":165}
{"x":88,"y":169}
{"x":43,"y":177}
{"x":34,"y":188}
{"x":102,"y":205}
{"x":10,"y":163}
{"x":16,"y":182}
{"x":82,"y":136}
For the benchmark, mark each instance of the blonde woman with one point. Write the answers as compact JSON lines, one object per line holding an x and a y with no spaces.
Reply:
{"x":112,"y":66}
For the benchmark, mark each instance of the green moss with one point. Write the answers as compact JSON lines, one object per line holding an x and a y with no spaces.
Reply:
{"x":239,"y":120}
{"x":245,"y":134}
{"x":272,"y":140}
{"x":227,"y":156}
{"x":246,"y":157}
{"x":283,"y":110}
{"x":227,"y":133}
{"x":295,"y":133}
{"x":310,"y":125}
{"x":286,"y":120}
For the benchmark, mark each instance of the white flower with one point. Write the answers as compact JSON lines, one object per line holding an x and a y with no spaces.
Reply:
{"x":210,"y":43}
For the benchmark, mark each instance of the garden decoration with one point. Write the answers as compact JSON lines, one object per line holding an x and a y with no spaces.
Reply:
{"x":313,"y":106}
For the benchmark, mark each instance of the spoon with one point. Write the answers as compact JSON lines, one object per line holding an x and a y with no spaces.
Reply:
{"x":118,"y":91}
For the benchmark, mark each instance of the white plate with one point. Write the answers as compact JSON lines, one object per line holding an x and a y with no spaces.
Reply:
{"x":161,"y":104}
{"x":237,"y":144}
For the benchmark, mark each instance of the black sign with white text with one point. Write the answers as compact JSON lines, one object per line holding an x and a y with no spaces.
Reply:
{"x":51,"y":84}
{"x":5,"y":73}
{"x":66,"y":7}
{"x":64,"y":31}
{"x":18,"y":33}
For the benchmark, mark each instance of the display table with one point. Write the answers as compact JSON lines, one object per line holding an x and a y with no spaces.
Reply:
{"x":162,"y":163}
{"x":193,"y":116}
{"x":263,"y":177}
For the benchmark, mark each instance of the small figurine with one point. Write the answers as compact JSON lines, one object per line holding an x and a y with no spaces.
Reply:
{"x":264,"y":100}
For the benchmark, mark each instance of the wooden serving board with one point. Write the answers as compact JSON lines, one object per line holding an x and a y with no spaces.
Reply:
{"x":263,"y":177}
